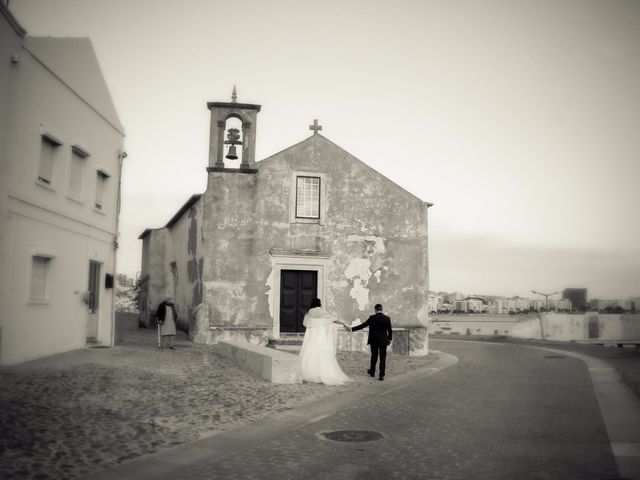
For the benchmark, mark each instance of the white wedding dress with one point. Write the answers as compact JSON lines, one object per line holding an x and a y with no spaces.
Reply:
{"x":318,"y":354}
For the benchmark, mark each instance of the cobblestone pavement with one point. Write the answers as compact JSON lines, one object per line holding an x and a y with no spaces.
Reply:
{"x":501,"y":412}
{"x":75,"y":413}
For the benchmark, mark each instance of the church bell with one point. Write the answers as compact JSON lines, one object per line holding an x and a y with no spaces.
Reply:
{"x":233,"y":140}
{"x":232,"y":155}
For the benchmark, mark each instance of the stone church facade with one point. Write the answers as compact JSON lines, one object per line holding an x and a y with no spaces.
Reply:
{"x":245,"y":258}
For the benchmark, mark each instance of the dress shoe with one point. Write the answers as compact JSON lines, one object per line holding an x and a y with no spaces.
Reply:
{"x":381,"y":378}
{"x":371,"y":373}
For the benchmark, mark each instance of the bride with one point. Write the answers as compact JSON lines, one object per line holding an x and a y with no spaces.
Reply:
{"x":318,"y":353}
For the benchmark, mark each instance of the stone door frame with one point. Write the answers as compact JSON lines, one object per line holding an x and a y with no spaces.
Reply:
{"x":287,"y":260}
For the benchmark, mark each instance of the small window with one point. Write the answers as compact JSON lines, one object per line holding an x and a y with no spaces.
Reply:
{"x":39,"y":274}
{"x":308,"y":197}
{"x":101,"y":181}
{"x":78,"y":161}
{"x":48,"y":151}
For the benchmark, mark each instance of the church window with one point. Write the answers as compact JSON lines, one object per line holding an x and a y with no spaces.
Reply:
{"x":307,"y":197}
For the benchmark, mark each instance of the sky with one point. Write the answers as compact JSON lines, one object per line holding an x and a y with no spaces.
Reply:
{"x":518,"y":120}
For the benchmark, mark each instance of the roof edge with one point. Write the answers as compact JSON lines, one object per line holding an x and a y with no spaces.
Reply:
{"x":13,"y":21}
{"x":404,"y":190}
{"x":184,"y":208}
{"x":114,"y":123}
{"x":234,"y":105}
{"x":173,"y":220}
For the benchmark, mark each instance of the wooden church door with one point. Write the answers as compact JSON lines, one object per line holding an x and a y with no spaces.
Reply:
{"x":297,"y":289}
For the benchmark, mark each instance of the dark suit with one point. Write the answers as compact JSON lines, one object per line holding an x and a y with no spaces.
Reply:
{"x":380,"y":335}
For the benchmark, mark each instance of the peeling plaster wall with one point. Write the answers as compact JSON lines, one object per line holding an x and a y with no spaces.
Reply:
{"x":156,"y":254}
{"x":231,"y":289}
{"x":172,"y":262}
{"x":186,"y":242}
{"x":375,"y":231}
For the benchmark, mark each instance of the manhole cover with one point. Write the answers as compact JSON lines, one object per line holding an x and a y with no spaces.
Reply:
{"x":352,"y":436}
{"x":555,"y":356}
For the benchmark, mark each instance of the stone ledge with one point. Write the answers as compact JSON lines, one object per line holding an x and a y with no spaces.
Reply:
{"x":272,"y":365}
{"x":413,"y":341}
{"x":256,"y":335}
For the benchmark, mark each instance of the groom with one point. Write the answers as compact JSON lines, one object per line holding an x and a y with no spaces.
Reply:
{"x":380,"y":335}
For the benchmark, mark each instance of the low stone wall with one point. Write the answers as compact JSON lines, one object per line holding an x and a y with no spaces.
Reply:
{"x":406,"y":341}
{"x":253,"y":335}
{"x":271,"y":364}
{"x":584,"y":326}
{"x":475,"y":324}
{"x":547,"y":326}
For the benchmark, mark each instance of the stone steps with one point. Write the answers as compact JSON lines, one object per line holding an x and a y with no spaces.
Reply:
{"x":290,"y":342}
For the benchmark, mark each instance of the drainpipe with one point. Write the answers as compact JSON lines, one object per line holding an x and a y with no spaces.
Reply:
{"x":121,"y":156}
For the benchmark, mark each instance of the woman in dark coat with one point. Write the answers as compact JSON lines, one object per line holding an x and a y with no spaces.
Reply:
{"x":167,"y":316}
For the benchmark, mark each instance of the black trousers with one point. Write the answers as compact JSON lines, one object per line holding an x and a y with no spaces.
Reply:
{"x":378,"y":350}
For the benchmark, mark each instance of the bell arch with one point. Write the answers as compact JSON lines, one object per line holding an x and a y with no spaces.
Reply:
{"x":225,"y":117}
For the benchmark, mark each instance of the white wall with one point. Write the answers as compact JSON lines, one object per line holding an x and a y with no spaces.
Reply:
{"x":44,"y":220}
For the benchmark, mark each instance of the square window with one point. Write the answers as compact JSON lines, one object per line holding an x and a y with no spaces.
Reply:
{"x":48,"y":151}
{"x":308,"y":197}
{"x":39,"y":274}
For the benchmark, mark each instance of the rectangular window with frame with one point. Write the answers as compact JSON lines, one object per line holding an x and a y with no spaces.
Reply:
{"x":307,"y":197}
{"x":39,"y":276}
{"x":48,"y":151}
{"x":101,"y":182}
{"x":78,"y":161}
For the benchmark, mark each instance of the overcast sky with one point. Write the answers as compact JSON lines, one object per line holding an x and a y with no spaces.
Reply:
{"x":518,"y":119}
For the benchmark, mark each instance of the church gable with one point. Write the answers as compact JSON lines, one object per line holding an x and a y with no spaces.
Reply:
{"x":319,"y":154}
{"x":316,"y":181}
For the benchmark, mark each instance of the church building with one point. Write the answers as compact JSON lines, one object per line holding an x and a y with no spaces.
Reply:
{"x":245,"y":258}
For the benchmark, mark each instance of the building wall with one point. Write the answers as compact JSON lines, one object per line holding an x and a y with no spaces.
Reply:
{"x":187,"y":280}
{"x":11,"y":37}
{"x":44,"y":220}
{"x":157,"y":255}
{"x":369,"y":247}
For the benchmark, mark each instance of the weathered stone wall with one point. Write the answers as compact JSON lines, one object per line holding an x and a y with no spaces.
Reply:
{"x":231,"y":292}
{"x":156,"y":253}
{"x":185,"y":263}
{"x":375,"y":231}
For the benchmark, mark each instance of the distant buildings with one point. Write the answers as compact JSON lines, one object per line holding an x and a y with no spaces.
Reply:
{"x":60,"y":161}
{"x":444,"y":302}
{"x":613,"y":306}
{"x":577,"y":297}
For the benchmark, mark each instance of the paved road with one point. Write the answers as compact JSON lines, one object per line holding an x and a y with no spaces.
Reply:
{"x":500,"y":412}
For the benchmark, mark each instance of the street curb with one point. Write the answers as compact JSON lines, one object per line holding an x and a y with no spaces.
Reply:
{"x":170,"y":462}
{"x":620,"y":410}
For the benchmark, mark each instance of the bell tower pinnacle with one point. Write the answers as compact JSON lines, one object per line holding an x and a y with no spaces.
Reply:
{"x":223,"y":133}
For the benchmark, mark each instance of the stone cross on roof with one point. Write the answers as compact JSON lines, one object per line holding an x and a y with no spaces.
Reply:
{"x":315,"y":127}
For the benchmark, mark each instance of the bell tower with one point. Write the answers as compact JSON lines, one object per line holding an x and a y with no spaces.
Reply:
{"x":233,"y":129}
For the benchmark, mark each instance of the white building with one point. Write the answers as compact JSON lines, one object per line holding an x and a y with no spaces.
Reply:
{"x":61,"y":152}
